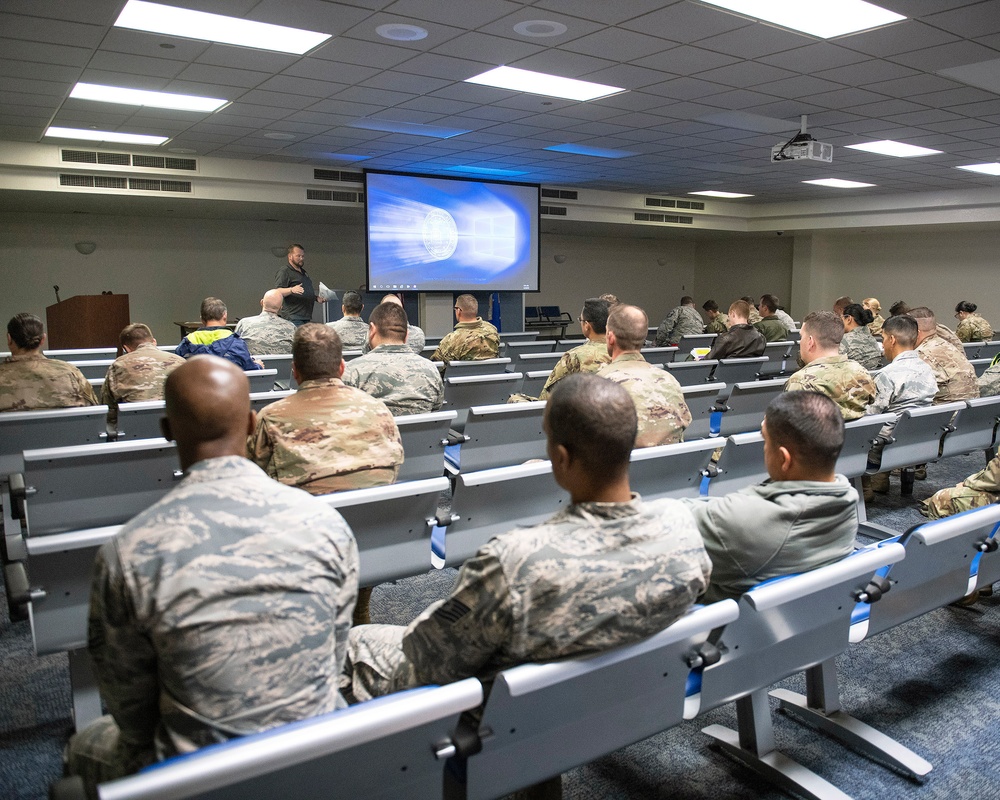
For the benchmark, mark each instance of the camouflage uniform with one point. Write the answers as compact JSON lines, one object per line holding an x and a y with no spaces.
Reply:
{"x":906,"y":382}
{"x":593,"y":577}
{"x":33,"y":381}
{"x":220,"y":611}
{"x":327,"y":437}
{"x":974,"y":329}
{"x":875,"y":326}
{"x":718,"y":325}
{"x":405,"y":382}
{"x":976,"y":491}
{"x":681,"y":321}
{"x":588,"y":357}
{"x":754,"y":316}
{"x":353,"y":332}
{"x":949,"y":336}
{"x":266,"y":334}
{"x":414,"y":340}
{"x":845,"y":382}
{"x":137,"y":376}
{"x":989,"y":382}
{"x":772,"y":329}
{"x":794,"y":526}
{"x":859,"y":345}
{"x":955,"y":376}
{"x":659,"y":400}
{"x":470,"y":341}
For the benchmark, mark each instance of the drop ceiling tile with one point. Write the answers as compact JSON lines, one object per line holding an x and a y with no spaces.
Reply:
{"x":203,"y":89}
{"x":844,"y":98}
{"x":799,"y":86}
{"x":320,"y":70}
{"x":490,"y":49}
{"x":136,"y":65}
{"x":494,"y":113}
{"x":251,"y":110}
{"x":290,"y":84}
{"x":342,"y":107}
{"x":954,"y":97}
{"x":401,"y":82}
{"x":365,"y":54}
{"x":737,"y":99}
{"x":867,"y":72}
{"x":295,"y":102}
{"x":634,"y":101}
{"x":946,"y":56}
{"x":564,"y":63}
{"x":606,"y":13}
{"x":326,"y":120}
{"x":686,"y":22}
{"x":410,"y":116}
{"x":755,"y":40}
{"x":575,"y":27}
{"x":437,"y":105}
{"x":618,"y":43}
{"x":886,"y":108}
{"x":435,"y":66}
{"x":29,"y":86}
{"x":685,"y":88}
{"x":54,"y":54}
{"x":378,"y":97}
{"x":814,"y":57}
{"x":981,"y":110}
{"x":74,"y":118}
{"x":969,"y":21}
{"x":958,"y":125}
{"x":312,"y":15}
{"x":223,"y":55}
{"x":75,"y":34}
{"x":686,"y":60}
{"x":203,"y":73}
{"x":921,"y":118}
{"x":464,"y":13}
{"x":437,"y":34}
{"x":787,"y":109}
{"x":299,"y":128}
{"x":746,"y":74}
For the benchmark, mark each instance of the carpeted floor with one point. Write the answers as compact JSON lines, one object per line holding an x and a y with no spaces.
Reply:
{"x":932,"y":684}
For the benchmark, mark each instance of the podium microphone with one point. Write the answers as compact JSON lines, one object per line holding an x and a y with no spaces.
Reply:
{"x":57,"y":294}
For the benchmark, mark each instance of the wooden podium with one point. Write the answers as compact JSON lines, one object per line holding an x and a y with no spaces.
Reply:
{"x":87,"y":320}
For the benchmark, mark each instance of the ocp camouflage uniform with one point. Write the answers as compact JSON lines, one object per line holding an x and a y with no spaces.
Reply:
{"x":33,"y":381}
{"x":659,"y":400}
{"x":266,"y":334}
{"x":414,"y":340}
{"x":680,"y":321}
{"x":859,"y":345}
{"x":989,"y":381}
{"x":875,"y":326}
{"x":974,"y":329}
{"x":137,"y":376}
{"x":976,"y":491}
{"x":405,"y":382}
{"x":718,"y":325}
{"x":845,"y":382}
{"x":754,"y":316}
{"x":593,"y":577}
{"x":220,"y":611}
{"x":949,"y":336}
{"x":955,"y":376}
{"x":587,"y":357}
{"x":353,"y":331}
{"x":327,"y":437}
{"x":470,"y":341}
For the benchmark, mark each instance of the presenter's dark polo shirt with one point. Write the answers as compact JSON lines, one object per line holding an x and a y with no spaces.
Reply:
{"x":296,"y":307}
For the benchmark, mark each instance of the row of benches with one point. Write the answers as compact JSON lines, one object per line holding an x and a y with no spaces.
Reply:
{"x":541,"y":720}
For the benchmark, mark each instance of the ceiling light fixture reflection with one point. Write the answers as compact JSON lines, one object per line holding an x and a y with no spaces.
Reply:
{"x":524,"y":80}
{"x":839,"y":183}
{"x":155,"y":18}
{"x":724,"y":195}
{"x":143,"y":97}
{"x":887,"y":147}
{"x":985,"y":169}
{"x":104,"y":136}
{"x":487,"y":170}
{"x":824,"y":20}
{"x":584,"y":150}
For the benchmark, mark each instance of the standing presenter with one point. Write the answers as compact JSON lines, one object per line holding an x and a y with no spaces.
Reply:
{"x":296,"y":287}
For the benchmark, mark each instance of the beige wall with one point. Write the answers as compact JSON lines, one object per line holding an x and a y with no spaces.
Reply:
{"x":729,"y":268}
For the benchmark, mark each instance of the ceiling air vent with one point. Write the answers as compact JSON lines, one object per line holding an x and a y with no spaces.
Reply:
{"x":659,"y":202}
{"x":180,"y":163}
{"x":335,"y":197}
{"x":152,"y":185}
{"x":154,"y":162}
{"x":80,"y":156}
{"x":642,"y":216}
{"x":127,"y":160}
{"x":552,"y":211}
{"x":94,"y":181}
{"x":560,"y":194}
{"x":337,"y":175}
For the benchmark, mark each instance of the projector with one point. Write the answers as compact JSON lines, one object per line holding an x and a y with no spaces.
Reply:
{"x":802,"y":145}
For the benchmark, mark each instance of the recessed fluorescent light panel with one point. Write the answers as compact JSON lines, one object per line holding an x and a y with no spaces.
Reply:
{"x":487,"y":170}
{"x":583,"y":150}
{"x":523,"y":80}
{"x":985,"y":169}
{"x":104,"y":136}
{"x":140,"y":97}
{"x":724,"y":195}
{"x":837,"y":183}
{"x":155,"y":18}
{"x":412,"y":128}
{"x":887,"y":147}
{"x":824,"y":20}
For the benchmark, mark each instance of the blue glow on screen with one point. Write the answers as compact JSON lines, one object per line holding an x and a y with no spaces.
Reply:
{"x":440,"y":234}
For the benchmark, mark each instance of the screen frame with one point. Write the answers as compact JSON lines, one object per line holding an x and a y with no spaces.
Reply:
{"x":459,"y":289}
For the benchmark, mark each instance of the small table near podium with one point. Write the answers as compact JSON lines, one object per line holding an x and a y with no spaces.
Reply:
{"x":87,"y":320}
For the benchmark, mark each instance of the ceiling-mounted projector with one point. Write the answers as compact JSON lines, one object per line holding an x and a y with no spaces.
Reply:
{"x":802,"y":145}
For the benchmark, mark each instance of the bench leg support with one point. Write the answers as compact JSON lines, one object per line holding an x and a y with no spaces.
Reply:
{"x":753,"y":746}
{"x":86,"y":696}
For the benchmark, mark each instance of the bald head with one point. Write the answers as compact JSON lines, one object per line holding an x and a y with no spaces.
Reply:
{"x":271,"y":301}
{"x":391,"y":298}
{"x":628,"y":326}
{"x":208,"y":409}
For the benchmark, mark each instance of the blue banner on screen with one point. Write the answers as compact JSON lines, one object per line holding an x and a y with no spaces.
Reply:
{"x":445,"y":234}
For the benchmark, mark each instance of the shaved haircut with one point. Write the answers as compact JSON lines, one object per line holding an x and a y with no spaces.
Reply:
{"x":903,"y":328}
{"x":770,"y":302}
{"x":316,"y":351}
{"x":207,"y":399}
{"x":630,"y":325}
{"x":808,"y":424}
{"x":213,"y":308}
{"x":595,"y":311}
{"x":740,"y":308}
{"x":353,"y":303}
{"x":392,"y":298}
{"x":687,"y":300}
{"x":135,"y":334}
{"x":924,"y":317}
{"x":467,"y":304}
{"x":825,"y":327}
{"x":390,"y":322}
{"x":595,"y":420}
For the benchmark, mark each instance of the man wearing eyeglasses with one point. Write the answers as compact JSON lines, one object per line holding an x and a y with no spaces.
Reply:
{"x":474,"y":339}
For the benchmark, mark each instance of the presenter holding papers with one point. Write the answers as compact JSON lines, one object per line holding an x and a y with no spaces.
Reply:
{"x":296,"y":288}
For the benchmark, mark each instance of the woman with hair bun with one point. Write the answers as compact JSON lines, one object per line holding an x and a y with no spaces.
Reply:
{"x":858,"y":343}
{"x":873,"y":305}
{"x":971,"y":326}
{"x":29,"y":380}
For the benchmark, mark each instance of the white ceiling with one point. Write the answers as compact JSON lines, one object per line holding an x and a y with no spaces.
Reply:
{"x":698,"y":77}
